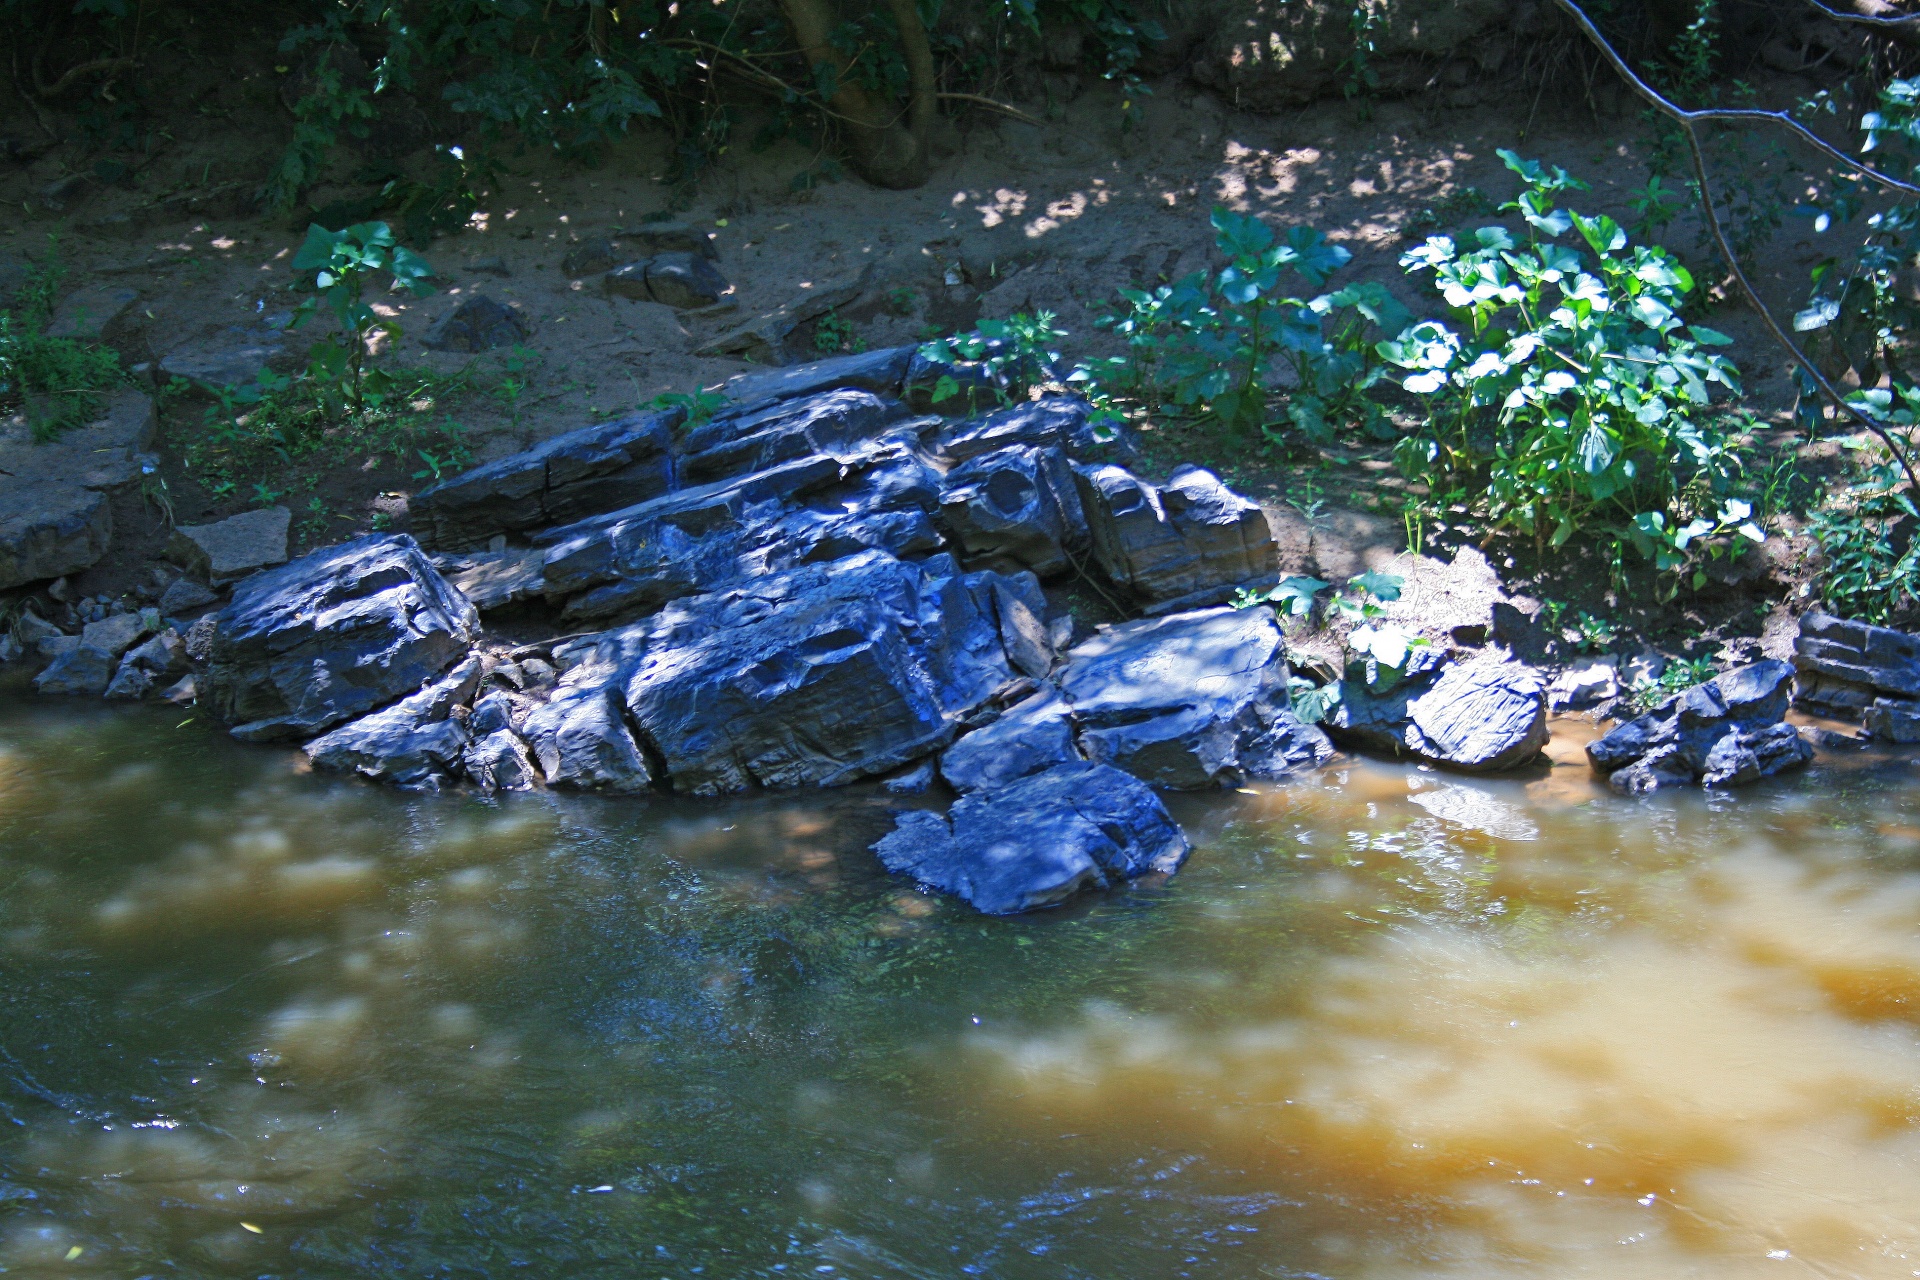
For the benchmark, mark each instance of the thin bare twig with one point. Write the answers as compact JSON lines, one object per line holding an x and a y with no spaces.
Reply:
{"x":992,"y":105}
{"x":1689,"y":121}
{"x":54,"y":90}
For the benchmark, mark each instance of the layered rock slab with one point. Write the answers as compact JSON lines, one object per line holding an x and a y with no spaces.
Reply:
{"x":1475,"y":717}
{"x":1190,"y":700}
{"x":1037,"y":841}
{"x":331,"y":636}
{"x":1188,"y":542}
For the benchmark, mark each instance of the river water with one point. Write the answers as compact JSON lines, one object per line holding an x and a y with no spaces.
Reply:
{"x":1386,"y":1023}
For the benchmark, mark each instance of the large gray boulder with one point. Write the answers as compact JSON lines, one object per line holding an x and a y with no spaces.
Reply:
{"x":1843,"y":666}
{"x":1726,"y":732}
{"x":1031,"y":737}
{"x":227,"y":550}
{"x":1038,"y":841}
{"x":581,"y":473}
{"x":882,"y":372}
{"x":1190,"y":542}
{"x":1017,"y":506}
{"x":331,"y":636}
{"x":419,"y":742}
{"x":820,"y":675}
{"x":1190,"y":700}
{"x":1476,"y":717}
{"x":1062,"y":422}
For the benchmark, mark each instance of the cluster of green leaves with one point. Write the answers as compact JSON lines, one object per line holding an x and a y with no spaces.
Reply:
{"x":1378,"y":651}
{"x":1214,"y":346}
{"x":999,"y":362}
{"x":56,"y":380}
{"x":342,"y":264}
{"x":1872,"y":554}
{"x":1566,"y":394}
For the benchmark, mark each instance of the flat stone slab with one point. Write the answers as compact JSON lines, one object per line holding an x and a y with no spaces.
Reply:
{"x":218,"y":364}
{"x":230,"y":549}
{"x":87,"y":313}
{"x":48,"y":529}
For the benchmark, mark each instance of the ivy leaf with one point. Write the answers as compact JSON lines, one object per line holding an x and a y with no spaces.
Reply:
{"x":1822,"y":313}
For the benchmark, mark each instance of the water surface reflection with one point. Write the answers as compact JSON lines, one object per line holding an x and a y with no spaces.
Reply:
{"x":1386,"y":1023}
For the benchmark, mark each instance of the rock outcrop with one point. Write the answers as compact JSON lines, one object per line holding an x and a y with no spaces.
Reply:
{"x":1724,"y":733}
{"x":331,"y":636}
{"x":1473,"y":716}
{"x":55,"y":517}
{"x":1853,"y":669}
{"x":1039,"y":840}
{"x":1190,"y":542}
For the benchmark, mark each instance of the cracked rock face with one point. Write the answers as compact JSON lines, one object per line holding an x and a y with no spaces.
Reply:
{"x":1191,"y":700}
{"x":1476,"y":717}
{"x":1189,"y":542}
{"x":331,"y":636}
{"x":1724,"y":733}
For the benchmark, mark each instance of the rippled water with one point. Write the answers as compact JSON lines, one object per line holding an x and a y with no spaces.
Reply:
{"x":1387,"y":1023}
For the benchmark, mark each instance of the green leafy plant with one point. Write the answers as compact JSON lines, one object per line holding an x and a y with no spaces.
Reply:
{"x":343,"y":264}
{"x":1380,"y":650}
{"x":1869,"y":549}
{"x":56,"y":380}
{"x":699,"y":405}
{"x":1566,"y":393}
{"x":833,"y":334}
{"x":1001,"y":361}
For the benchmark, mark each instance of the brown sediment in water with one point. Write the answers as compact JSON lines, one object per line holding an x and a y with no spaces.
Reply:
{"x":1726,"y":1079}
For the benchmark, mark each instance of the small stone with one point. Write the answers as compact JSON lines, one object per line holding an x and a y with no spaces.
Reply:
{"x":230,"y":549}
{"x":11,"y":650}
{"x":51,"y":528}
{"x":492,"y":265}
{"x":31,"y":628}
{"x":129,"y":684}
{"x":82,"y":669}
{"x":54,"y":646}
{"x":590,"y":258}
{"x":234,"y":359}
{"x":183,"y":596}
{"x":478,"y":324}
{"x":115,"y":635}
{"x":915,"y":781}
{"x":1583,"y":686}
{"x":1894,"y":720}
{"x":682,"y":280}
{"x":182,"y":693}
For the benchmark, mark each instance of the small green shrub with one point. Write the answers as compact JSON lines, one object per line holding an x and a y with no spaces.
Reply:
{"x":1380,"y":651}
{"x":1001,"y":361}
{"x":342,"y":264}
{"x":1214,"y":346}
{"x":55,"y":379}
{"x":1870,"y":541}
{"x":1565,"y":394}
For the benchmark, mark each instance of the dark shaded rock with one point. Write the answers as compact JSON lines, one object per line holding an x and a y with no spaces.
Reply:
{"x":158,"y":661}
{"x":1192,"y":700}
{"x":1725,"y":732}
{"x":763,"y":339}
{"x":816,"y":676}
{"x":496,"y":579}
{"x":30,"y":628}
{"x":77,"y":668}
{"x":685,"y":281}
{"x":1028,"y":642}
{"x":1523,"y":635}
{"x":88,"y":313}
{"x":115,"y":634}
{"x":331,"y":636}
{"x":595,"y":469}
{"x":1017,"y":505}
{"x":1063,"y":422}
{"x":1192,"y":541}
{"x":1843,"y":666}
{"x":183,"y":596}
{"x":1032,"y":736}
{"x":105,"y":453}
{"x":1894,"y":720}
{"x":49,"y":529}
{"x":882,"y":372}
{"x":499,"y":761}
{"x":835,"y":423}
{"x":915,"y":781}
{"x":665,"y":237}
{"x":590,"y":258}
{"x":230,"y":549}
{"x":1479,"y":718}
{"x":417,"y":742}
{"x":478,"y":324}
{"x":235,"y":358}
{"x":1037,"y":841}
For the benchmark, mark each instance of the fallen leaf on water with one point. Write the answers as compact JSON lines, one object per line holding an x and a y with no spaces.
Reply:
{"x":74,"y":1252}
{"x":249,"y":1226}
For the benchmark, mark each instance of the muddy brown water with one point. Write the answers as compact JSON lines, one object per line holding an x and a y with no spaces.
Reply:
{"x":1387,"y":1023}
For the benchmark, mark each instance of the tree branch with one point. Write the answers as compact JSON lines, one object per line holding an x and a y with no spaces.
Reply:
{"x":60,"y":86}
{"x":1875,"y":13}
{"x":1688,"y":121}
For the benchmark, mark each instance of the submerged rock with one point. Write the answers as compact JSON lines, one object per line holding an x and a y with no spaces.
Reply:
{"x":331,"y":636}
{"x":1037,"y":841}
{"x":1190,"y":700}
{"x":1723,"y":733}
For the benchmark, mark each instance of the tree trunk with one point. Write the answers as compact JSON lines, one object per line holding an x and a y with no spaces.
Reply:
{"x":883,"y":152}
